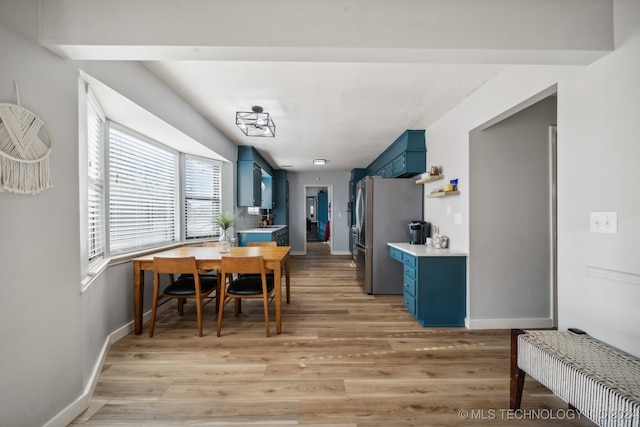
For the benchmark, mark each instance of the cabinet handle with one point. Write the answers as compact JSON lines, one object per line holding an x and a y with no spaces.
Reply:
{"x":406,"y":285}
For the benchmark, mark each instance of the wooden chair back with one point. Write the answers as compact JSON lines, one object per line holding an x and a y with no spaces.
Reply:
{"x":244,"y":264}
{"x":184,"y":265}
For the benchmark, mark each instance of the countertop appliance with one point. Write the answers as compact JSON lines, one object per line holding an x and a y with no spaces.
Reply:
{"x":383,"y":208}
{"x":419,"y":231}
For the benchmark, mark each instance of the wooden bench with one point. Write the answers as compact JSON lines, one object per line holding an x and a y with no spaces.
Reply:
{"x":594,"y":378}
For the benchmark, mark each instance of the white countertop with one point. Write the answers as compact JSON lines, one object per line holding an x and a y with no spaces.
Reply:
{"x":424,"y":250}
{"x":269,"y":229}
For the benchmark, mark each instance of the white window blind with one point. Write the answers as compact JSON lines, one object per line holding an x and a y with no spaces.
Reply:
{"x":142,"y":193}
{"x":202,"y":197}
{"x":95,"y":180}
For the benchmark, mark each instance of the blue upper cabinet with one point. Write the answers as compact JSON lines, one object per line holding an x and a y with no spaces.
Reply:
{"x":267,"y":191}
{"x":406,"y":157}
{"x":252,"y":188}
{"x":280,"y":197}
{"x":249,"y":184}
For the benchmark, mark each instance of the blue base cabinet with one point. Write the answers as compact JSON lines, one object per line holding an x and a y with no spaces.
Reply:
{"x":434,"y":288}
{"x":278,"y":235}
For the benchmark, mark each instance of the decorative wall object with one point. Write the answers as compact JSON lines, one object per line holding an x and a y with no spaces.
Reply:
{"x":25,"y":146}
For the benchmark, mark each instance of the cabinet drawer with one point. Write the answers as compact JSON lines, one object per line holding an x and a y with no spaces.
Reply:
{"x":395,"y":254}
{"x":410,"y":304}
{"x":409,"y":260}
{"x":409,"y":285}
{"x":410,"y":272}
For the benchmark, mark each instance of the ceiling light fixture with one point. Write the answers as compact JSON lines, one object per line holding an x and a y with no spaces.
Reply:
{"x":319,"y":161}
{"x":255,"y":122}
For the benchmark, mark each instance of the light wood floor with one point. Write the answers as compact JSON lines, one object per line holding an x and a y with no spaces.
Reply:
{"x":344,"y":359}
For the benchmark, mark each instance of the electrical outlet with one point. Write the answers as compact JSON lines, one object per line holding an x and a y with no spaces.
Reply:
{"x":603,"y":222}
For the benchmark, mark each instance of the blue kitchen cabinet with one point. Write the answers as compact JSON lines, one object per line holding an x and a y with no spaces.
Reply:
{"x":251,"y":167}
{"x":246,"y":237}
{"x":249,"y":184}
{"x":404,"y":158}
{"x":267,"y":191}
{"x":278,"y":234}
{"x":280,"y":198}
{"x":434,"y":286}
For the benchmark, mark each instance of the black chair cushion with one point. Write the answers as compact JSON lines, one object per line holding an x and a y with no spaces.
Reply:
{"x":249,"y":285}
{"x":269,"y":275}
{"x":212,"y":273}
{"x":185,"y":286}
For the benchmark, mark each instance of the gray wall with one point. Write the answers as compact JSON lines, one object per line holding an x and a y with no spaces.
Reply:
{"x":509,"y":218}
{"x":53,"y":332}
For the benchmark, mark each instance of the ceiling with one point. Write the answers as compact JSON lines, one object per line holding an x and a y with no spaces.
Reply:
{"x":341,"y":79}
{"x":346,"y":113}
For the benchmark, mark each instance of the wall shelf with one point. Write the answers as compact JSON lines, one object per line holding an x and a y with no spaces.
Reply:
{"x":443,"y":194}
{"x":430,"y":178}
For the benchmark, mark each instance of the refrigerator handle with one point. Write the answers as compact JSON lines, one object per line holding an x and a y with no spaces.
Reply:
{"x":359,"y":210}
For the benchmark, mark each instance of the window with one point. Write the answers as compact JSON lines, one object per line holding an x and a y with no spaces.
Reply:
{"x":201,"y":197}
{"x":143,"y":193}
{"x":95,"y":180}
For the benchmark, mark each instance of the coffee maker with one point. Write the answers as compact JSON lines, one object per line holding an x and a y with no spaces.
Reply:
{"x":419,"y":231}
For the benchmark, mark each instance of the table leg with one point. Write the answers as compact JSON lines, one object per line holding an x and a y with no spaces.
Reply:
{"x":138,"y":293}
{"x":287,"y":272}
{"x":277,"y":277}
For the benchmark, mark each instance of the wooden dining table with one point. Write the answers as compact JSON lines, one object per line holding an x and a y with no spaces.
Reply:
{"x":210,"y":258}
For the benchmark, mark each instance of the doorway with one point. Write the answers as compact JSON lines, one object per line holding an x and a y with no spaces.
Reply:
{"x":312,"y":220}
{"x":512,"y":203}
{"x":318,"y":215}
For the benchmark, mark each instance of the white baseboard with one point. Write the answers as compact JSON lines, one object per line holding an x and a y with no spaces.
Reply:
{"x":71,"y":412}
{"x":534,"y":323}
{"x":341,"y":253}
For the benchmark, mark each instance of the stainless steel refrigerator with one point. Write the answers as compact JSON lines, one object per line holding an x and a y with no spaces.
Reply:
{"x":383,"y":210}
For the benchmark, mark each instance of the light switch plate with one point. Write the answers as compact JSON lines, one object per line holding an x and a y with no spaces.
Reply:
{"x":457,"y":218}
{"x":603,"y":222}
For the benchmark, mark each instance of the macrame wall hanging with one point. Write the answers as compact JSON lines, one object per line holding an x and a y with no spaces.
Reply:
{"x":25,"y":146}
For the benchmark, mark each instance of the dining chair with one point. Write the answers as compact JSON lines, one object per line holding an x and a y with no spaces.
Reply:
{"x":245,"y":286}
{"x":184,"y":287}
{"x":262,"y":244}
{"x":209,"y":273}
{"x":212,"y":275}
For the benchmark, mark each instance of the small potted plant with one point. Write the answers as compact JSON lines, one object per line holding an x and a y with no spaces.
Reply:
{"x":224,"y":221}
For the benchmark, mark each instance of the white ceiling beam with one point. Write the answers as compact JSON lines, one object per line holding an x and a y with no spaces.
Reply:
{"x":438,"y":31}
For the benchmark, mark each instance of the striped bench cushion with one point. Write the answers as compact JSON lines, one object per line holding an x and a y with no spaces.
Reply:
{"x":599,"y":380}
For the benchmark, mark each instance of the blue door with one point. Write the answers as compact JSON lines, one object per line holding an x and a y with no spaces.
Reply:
{"x":323,"y":214}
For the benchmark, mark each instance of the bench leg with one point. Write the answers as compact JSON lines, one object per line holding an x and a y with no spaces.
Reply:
{"x":516,"y":374}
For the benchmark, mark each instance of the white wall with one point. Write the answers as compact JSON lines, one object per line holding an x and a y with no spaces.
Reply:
{"x":53,"y":335}
{"x":598,"y":107}
{"x":599,"y":151}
